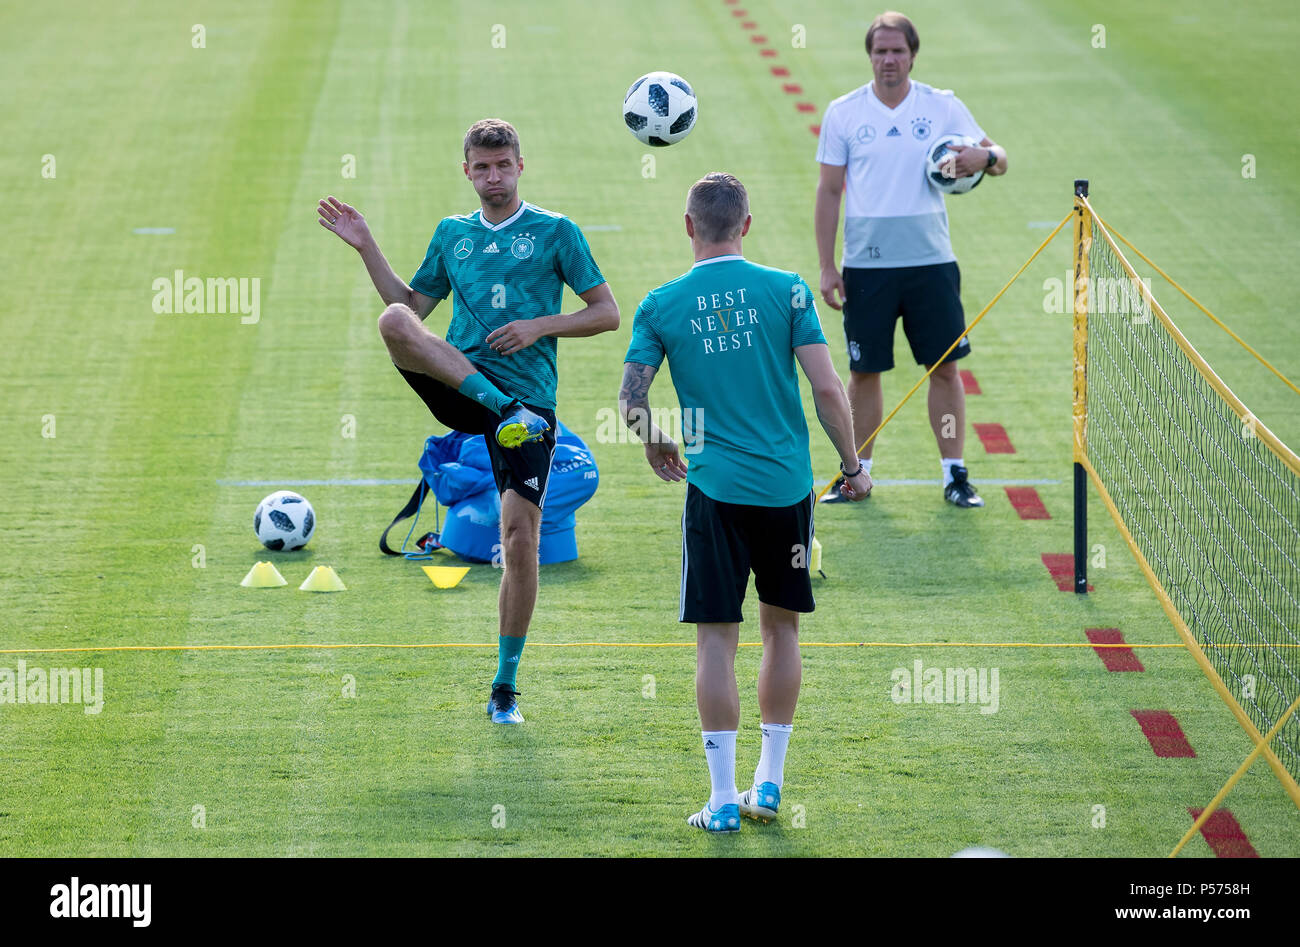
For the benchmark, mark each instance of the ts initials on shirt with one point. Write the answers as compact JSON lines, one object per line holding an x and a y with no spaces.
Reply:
{"x":724,"y":322}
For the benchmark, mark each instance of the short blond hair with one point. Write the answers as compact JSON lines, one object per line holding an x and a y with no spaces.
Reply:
{"x":718,"y":205}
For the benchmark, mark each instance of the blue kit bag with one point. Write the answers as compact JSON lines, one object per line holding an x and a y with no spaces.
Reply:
{"x":457,"y":470}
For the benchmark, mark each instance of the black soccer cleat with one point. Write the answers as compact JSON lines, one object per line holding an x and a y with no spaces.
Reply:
{"x":961,"y":492}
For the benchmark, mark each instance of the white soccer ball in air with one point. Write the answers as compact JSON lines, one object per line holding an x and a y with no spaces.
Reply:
{"x":660,"y":109}
{"x":940,"y":152}
{"x":284,"y":521}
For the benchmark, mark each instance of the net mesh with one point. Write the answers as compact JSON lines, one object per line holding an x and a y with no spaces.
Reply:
{"x":1213,"y":509}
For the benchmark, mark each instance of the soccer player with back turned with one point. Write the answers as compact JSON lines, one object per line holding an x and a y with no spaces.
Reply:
{"x":732,"y":331}
{"x":898,"y":259}
{"x":494,"y":374}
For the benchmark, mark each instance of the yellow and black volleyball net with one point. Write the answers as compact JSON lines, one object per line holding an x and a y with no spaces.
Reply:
{"x":1206,"y":496}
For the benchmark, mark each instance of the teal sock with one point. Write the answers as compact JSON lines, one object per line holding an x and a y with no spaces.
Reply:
{"x":508,"y":652}
{"x":477,"y":388}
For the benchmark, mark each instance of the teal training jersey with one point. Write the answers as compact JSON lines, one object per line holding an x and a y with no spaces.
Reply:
{"x":729,"y":329}
{"x":502,"y":272}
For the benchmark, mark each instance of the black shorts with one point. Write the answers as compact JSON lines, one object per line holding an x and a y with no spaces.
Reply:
{"x":722,"y":542}
{"x":526,"y":469}
{"x":927,"y":297}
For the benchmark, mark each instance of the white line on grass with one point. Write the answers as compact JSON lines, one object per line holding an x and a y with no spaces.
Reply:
{"x":936,"y":482}
{"x":358,"y":482}
{"x":154,"y":230}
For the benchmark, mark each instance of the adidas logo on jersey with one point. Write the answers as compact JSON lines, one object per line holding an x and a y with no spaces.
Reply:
{"x":893,"y":133}
{"x":493,"y":248}
{"x":531,"y":482}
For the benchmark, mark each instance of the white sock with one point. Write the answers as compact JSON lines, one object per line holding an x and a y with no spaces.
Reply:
{"x":771,"y":762}
{"x":948,"y":463}
{"x":866,"y":465}
{"x":720,"y":752}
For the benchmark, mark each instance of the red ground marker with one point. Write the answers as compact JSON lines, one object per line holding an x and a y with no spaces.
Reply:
{"x":1061,"y":566}
{"x":780,"y":71}
{"x":805,"y":107}
{"x":739,"y":13}
{"x":1027,"y":504}
{"x":969,"y":383}
{"x":768,"y":53}
{"x":749,"y":25}
{"x":816,"y":130}
{"x":1115,"y":659}
{"x":1224,"y":835}
{"x":1163,"y":733}
{"x":791,"y":88}
{"x":994,"y":438}
{"x":756,"y":38}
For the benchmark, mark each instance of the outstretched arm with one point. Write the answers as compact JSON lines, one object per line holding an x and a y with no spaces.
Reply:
{"x":634,"y":405}
{"x":346,"y":221}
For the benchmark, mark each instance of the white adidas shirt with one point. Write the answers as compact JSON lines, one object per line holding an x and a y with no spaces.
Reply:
{"x":892,"y":216}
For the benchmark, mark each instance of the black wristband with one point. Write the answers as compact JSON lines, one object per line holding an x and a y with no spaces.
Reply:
{"x":993,"y":159}
{"x":847,"y":474}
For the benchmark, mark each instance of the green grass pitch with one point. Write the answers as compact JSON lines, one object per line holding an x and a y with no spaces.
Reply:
{"x":116,"y":122}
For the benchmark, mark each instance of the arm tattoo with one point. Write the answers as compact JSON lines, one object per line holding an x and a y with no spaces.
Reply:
{"x":634,"y":397}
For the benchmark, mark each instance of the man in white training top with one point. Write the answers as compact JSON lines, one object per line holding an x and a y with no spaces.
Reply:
{"x":898,"y":259}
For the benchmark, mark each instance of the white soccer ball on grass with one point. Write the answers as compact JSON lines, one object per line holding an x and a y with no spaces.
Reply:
{"x":284,"y":521}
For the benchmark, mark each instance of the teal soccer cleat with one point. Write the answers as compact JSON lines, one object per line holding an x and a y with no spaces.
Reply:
{"x":520,"y":427}
{"x":726,"y":819}
{"x":761,"y":802}
{"x":502,"y":706}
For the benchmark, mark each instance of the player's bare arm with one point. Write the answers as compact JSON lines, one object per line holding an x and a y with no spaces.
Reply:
{"x":346,"y":222}
{"x":600,"y":315}
{"x":830,"y":190}
{"x":969,"y":160}
{"x":834,"y":414}
{"x":634,"y":405}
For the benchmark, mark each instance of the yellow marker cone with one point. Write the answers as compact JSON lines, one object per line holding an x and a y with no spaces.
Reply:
{"x":323,"y":579}
{"x":815,"y":556}
{"x":263,"y":576}
{"x":446,"y":577}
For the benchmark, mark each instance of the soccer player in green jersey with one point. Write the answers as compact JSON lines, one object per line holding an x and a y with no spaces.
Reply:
{"x":732,"y":331}
{"x":494,"y":374}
